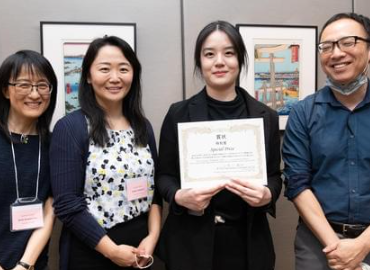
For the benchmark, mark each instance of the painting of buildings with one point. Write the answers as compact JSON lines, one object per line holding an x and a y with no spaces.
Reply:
{"x":276,"y":75}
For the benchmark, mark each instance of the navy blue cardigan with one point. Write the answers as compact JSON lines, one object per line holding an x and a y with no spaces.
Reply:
{"x":68,"y":155}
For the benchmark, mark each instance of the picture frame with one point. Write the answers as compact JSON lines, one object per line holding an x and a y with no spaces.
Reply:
{"x":282,"y":66}
{"x":64,"y":44}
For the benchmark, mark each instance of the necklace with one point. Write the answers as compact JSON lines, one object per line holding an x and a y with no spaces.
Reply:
{"x":24,"y":138}
{"x":24,"y":135}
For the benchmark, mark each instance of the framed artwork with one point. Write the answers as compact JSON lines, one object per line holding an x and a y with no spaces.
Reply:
{"x":282,"y":65}
{"x":64,"y":44}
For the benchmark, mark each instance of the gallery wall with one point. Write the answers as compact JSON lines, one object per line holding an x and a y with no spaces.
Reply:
{"x":158,"y":38}
{"x":167,"y":59}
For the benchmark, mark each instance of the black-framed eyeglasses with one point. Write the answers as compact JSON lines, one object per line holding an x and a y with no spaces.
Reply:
{"x":25,"y":88}
{"x":344,"y":44}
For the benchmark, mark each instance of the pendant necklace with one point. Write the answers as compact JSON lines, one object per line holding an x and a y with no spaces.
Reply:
{"x":24,"y":136}
{"x":24,"y":139}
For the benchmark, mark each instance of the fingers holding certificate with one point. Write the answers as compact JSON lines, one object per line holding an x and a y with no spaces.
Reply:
{"x":214,"y":152}
{"x":197,"y":199}
{"x":219,"y":158}
{"x":254,"y":194}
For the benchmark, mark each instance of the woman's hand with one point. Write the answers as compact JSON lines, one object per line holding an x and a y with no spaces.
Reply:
{"x":146,"y":248}
{"x":197,"y":199}
{"x":124,"y":255}
{"x":254,"y":194}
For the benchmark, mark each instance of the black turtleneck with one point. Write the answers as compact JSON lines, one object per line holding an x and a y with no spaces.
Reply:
{"x":223,"y":110}
{"x":225,"y":203}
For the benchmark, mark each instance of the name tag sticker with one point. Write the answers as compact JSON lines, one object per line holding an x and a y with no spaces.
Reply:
{"x":26,"y":217}
{"x":137,"y":188}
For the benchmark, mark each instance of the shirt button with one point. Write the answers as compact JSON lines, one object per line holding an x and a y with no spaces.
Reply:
{"x":352,"y":136}
{"x":352,"y":163}
{"x":353,"y":191}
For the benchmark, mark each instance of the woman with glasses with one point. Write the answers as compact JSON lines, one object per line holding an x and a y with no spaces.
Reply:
{"x":102,"y":166}
{"x":27,"y":101}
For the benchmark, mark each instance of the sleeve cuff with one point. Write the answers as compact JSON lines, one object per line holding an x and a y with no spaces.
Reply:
{"x":295,"y":184}
{"x":292,"y":193}
{"x":175,"y":208}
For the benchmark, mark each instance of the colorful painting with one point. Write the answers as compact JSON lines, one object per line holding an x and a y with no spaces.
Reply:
{"x":282,"y":67}
{"x":276,"y":75}
{"x":73,"y":56}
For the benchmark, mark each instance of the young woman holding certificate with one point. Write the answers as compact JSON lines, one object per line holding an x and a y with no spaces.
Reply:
{"x":27,"y":101}
{"x":224,"y":226}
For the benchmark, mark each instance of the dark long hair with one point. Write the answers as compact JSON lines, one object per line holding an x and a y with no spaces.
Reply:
{"x":131,"y":106}
{"x":10,"y":69}
{"x":234,"y":36}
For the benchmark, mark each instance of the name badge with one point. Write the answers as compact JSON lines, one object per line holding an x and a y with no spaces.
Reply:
{"x":137,"y":188}
{"x":26,"y":215}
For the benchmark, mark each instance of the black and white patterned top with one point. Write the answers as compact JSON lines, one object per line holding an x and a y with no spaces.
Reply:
{"x":107,"y":171}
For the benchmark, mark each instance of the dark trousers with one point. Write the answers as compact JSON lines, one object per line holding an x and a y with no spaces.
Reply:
{"x":230,"y":248}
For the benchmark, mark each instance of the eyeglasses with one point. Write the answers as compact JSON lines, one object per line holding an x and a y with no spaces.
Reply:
{"x":24,"y":88}
{"x":345,"y":44}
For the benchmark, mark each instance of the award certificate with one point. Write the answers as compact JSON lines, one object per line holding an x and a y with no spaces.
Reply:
{"x":211,"y":152}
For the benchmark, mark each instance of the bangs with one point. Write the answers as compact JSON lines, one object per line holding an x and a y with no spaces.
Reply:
{"x":28,"y":68}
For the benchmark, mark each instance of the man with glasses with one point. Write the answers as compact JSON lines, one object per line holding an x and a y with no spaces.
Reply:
{"x":326,"y":152}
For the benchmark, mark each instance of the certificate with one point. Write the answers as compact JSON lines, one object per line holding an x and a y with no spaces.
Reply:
{"x":211,"y":152}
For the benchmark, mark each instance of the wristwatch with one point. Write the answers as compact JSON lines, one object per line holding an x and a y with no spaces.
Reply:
{"x":26,"y":265}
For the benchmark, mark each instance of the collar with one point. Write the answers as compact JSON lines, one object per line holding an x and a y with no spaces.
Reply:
{"x":198,"y":110}
{"x":325,"y":95}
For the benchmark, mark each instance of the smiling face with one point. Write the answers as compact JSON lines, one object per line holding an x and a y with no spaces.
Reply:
{"x":111,"y":76}
{"x":219,"y":62}
{"x":26,"y":108}
{"x":344,"y":67}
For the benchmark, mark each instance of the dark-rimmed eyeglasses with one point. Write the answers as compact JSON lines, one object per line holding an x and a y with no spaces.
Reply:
{"x":24,"y":88}
{"x":344,"y":44}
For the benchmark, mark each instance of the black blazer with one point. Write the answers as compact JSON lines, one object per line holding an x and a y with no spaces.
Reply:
{"x":186,"y":241}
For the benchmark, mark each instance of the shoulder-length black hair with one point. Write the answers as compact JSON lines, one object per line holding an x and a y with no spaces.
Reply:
{"x":234,"y":36}
{"x":131,"y":106}
{"x":35,"y":64}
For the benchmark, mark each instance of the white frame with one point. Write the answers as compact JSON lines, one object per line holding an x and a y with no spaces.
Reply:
{"x":55,"y":34}
{"x":305,"y":36}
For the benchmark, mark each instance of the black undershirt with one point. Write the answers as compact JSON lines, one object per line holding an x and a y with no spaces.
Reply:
{"x":225,"y":203}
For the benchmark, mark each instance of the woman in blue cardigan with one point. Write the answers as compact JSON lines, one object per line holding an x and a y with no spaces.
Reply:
{"x":102,"y":166}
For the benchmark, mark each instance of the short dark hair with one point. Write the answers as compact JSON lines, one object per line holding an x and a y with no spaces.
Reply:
{"x":132,"y":107}
{"x":10,"y":69}
{"x":234,"y":36}
{"x":361,"y":19}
